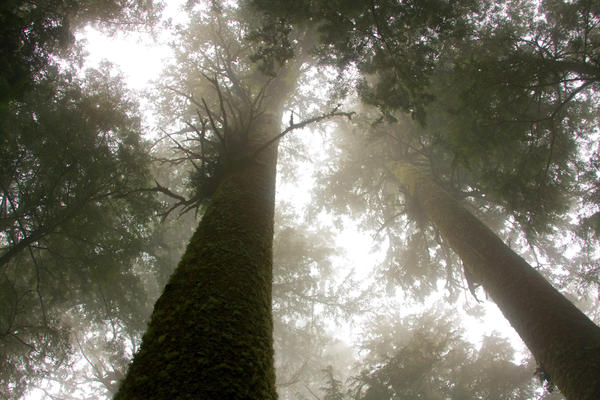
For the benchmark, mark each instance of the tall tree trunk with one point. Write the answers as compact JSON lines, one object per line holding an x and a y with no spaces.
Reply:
{"x":210,"y":334}
{"x":563,"y":340}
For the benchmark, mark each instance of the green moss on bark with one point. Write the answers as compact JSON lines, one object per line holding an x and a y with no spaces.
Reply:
{"x":210,"y":335}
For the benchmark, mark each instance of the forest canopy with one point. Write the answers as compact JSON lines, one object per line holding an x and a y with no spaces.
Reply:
{"x":196,"y":248}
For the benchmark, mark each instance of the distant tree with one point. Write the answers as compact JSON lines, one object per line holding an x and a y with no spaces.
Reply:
{"x":307,"y":295}
{"x":426,"y":357}
{"x":420,"y":238}
{"x":563,"y":339}
{"x":501,"y":87}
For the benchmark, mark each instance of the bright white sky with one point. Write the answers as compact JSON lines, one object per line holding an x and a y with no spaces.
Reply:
{"x":138,"y":56}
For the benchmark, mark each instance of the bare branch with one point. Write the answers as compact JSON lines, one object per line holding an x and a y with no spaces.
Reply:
{"x":214,"y":125}
{"x":187,"y":96}
{"x":191,"y":155}
{"x":215,"y":83}
{"x":302,"y":124}
{"x":170,"y":161}
{"x":387,"y":223}
{"x":167,"y":191}
{"x":160,"y":139}
{"x":187,"y":204}
{"x":24,"y":343}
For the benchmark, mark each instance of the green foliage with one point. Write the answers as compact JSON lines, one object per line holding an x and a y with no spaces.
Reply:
{"x":399,"y":41}
{"x":272,"y":45}
{"x":72,"y":223}
{"x":514,"y":111}
{"x":304,"y":274}
{"x":102,"y":350}
{"x":426,"y":357}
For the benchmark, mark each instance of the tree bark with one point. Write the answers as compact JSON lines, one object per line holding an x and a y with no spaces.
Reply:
{"x":563,"y":340}
{"x":210,"y":334}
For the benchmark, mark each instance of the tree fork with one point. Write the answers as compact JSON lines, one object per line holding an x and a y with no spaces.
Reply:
{"x":563,"y":339}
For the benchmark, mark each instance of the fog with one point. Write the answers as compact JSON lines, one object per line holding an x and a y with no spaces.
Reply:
{"x":425,"y":175}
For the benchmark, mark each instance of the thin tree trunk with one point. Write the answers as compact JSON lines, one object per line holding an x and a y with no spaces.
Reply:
{"x":210,"y":335}
{"x":563,"y":339}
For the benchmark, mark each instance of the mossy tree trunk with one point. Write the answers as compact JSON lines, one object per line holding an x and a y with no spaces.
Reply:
{"x":210,"y":334}
{"x":563,"y":340}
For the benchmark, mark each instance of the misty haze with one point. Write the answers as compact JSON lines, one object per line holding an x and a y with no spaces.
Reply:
{"x":307,"y":200}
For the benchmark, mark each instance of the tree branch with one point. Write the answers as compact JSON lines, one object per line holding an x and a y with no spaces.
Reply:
{"x":190,"y":154}
{"x":215,"y":83}
{"x":302,"y":124}
{"x":181,"y":201}
{"x":214,"y":125}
